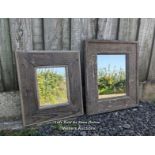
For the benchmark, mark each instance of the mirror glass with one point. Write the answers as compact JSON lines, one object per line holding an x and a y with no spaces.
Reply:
{"x":111,"y":76}
{"x":51,"y":86}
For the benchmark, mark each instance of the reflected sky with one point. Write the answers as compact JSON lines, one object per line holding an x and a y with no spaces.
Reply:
{"x":111,"y":62}
{"x":58,"y":70}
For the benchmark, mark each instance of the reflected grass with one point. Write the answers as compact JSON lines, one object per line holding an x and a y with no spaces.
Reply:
{"x":111,"y":83}
{"x":52,"y":86}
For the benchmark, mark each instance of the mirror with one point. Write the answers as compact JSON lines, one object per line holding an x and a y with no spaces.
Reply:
{"x":52,"y":86}
{"x":111,"y":75}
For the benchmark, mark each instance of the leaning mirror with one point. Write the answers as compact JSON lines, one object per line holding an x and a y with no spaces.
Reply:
{"x":111,"y":75}
{"x":50,"y":85}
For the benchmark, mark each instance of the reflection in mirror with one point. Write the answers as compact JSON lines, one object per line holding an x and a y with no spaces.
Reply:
{"x":111,"y":76}
{"x":51,"y":86}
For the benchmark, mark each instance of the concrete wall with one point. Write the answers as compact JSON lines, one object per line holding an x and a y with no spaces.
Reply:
{"x":10,"y":107}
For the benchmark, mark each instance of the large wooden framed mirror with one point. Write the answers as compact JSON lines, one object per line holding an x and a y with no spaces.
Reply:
{"x":111,"y":75}
{"x":50,"y":85}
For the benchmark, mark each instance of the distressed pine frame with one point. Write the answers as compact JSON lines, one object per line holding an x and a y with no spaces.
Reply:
{"x":92,"y":49}
{"x":26,"y":64}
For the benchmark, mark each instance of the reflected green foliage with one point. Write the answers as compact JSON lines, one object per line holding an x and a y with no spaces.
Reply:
{"x":52,"y":87}
{"x":111,"y":82}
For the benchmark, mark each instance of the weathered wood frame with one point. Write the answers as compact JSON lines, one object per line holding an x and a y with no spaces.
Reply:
{"x":26,"y":64}
{"x":95,"y":47}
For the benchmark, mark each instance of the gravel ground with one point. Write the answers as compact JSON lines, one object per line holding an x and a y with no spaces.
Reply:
{"x":134,"y":121}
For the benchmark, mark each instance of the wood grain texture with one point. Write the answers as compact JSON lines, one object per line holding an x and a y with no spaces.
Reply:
{"x":71,"y":33}
{"x":26,"y":72}
{"x":1,"y":80}
{"x":145,"y":39}
{"x":56,"y":34}
{"x":6,"y":68}
{"x":151,"y":74}
{"x":21,"y":38}
{"x":107,"y":28}
{"x":21,"y":33}
{"x":66,"y":34}
{"x":128,"y":29}
{"x":93,"y":104}
{"x":82,"y":29}
{"x":37,"y":33}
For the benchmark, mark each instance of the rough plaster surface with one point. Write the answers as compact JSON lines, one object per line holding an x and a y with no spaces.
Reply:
{"x":13,"y":125}
{"x":148,"y":91}
{"x":10,"y":105}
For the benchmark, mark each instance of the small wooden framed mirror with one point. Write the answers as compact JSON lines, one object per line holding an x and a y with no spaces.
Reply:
{"x":50,"y":85}
{"x":111,"y":75}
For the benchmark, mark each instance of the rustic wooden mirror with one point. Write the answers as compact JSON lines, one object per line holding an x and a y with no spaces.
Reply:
{"x":110,"y":75}
{"x":50,"y":85}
